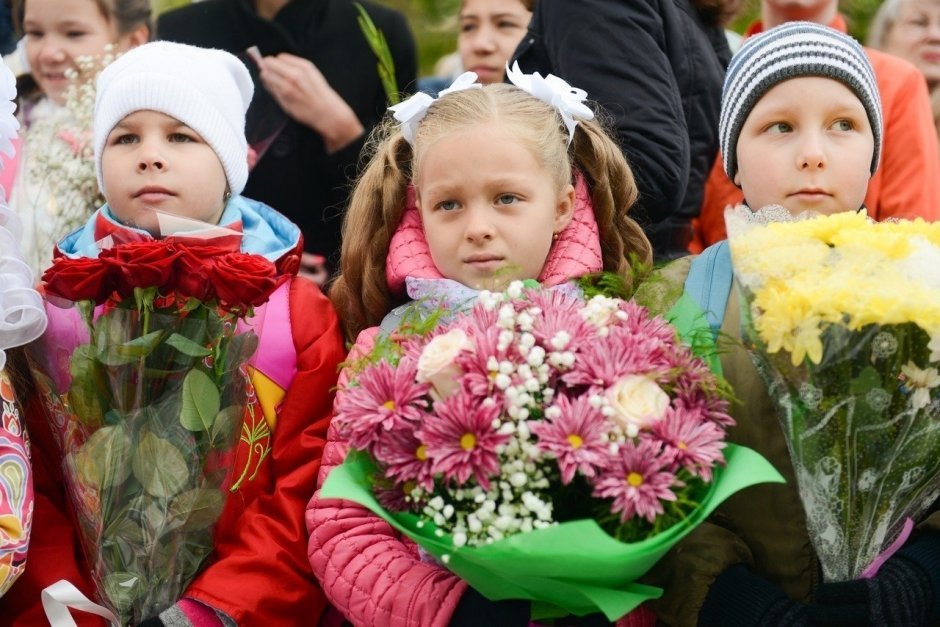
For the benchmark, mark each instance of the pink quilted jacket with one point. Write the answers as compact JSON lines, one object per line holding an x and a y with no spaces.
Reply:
{"x":369,"y":572}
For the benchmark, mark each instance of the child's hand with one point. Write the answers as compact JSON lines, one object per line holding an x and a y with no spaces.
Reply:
{"x":741,"y":598}
{"x":903,"y":592}
{"x":305,"y":95}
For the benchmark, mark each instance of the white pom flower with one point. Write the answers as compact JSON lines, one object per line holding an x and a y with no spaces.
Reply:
{"x":514,"y":290}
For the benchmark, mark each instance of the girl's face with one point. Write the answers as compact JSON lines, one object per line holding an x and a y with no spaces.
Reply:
{"x":806,"y":145}
{"x":58,"y":31}
{"x":151,"y":162}
{"x":489,"y":208}
{"x":490,"y":30}
{"x":915,"y":36}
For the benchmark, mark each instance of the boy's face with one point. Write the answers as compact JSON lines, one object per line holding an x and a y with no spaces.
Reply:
{"x":807,"y":145}
{"x":152,"y":161}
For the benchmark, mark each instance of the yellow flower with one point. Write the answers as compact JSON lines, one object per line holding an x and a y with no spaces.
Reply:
{"x":840,"y":269}
{"x":806,"y":342}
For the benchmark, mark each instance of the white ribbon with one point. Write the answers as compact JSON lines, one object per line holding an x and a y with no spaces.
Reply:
{"x":554,"y":91}
{"x":8,"y":121}
{"x":22,"y":314}
{"x":412,"y":111}
{"x":62,"y":595}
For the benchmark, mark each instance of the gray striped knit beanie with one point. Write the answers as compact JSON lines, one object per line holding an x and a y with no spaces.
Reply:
{"x":793,"y":50}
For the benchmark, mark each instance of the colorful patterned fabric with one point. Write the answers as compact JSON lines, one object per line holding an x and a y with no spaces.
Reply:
{"x":16,"y":489}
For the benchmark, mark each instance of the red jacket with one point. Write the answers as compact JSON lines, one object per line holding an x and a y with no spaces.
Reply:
{"x":906,"y":184}
{"x":259,"y":573}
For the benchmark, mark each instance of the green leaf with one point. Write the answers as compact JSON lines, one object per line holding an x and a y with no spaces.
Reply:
{"x":140,"y":346}
{"x":88,"y":381}
{"x":866,"y":380}
{"x":187,"y":346}
{"x":123,"y":589}
{"x":122,"y":531}
{"x":159,"y":466}
{"x":128,"y":352}
{"x":144,"y":296}
{"x":200,"y":401}
{"x":156,"y":519}
{"x":386,"y":65}
{"x":197,"y":509}
{"x":226,"y":422}
{"x":240,"y":347}
{"x":191,"y":305}
{"x":102,"y":461}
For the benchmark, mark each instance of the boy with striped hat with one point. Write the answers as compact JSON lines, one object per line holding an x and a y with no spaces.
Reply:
{"x":801,"y":122}
{"x":800,"y":127}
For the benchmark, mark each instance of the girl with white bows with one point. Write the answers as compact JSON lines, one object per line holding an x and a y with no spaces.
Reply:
{"x":470,"y":191}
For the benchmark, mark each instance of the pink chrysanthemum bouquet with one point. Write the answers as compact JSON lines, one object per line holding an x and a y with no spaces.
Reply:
{"x":537,"y":408}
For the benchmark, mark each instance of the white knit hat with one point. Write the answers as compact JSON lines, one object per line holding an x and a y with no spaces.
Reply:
{"x":793,"y":50}
{"x":207,"y":90}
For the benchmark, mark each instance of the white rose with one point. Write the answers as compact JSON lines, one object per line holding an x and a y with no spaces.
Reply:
{"x":637,"y":402}
{"x":436,"y":363}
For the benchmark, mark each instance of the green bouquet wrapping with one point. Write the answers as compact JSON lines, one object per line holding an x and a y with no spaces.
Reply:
{"x":541,"y":446}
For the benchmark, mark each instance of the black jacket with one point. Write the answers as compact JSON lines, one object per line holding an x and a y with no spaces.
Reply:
{"x":657,"y":67}
{"x":296,"y":176}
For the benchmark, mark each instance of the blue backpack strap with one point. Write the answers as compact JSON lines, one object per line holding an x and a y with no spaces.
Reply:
{"x":709,"y":282}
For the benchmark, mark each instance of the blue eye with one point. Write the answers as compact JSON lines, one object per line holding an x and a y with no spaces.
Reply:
{"x":843,"y":125}
{"x":779,"y":127}
{"x":507,"y":199}
{"x":448,"y":205}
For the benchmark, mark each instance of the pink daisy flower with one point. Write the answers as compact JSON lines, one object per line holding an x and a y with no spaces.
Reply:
{"x":461,"y":439}
{"x":602,"y":363}
{"x":563,"y":319}
{"x":553,"y":301}
{"x":638,"y":480}
{"x":386,"y":398}
{"x":577,"y":438}
{"x":697,"y":388}
{"x":478,"y":380}
{"x":393,"y":498}
{"x":639,"y":322}
{"x":405,"y":458}
{"x":713,"y":408}
{"x":479,"y":319}
{"x":691,"y":441}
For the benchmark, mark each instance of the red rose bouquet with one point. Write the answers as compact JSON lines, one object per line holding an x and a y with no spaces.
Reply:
{"x":145,"y":383}
{"x":542,"y":446}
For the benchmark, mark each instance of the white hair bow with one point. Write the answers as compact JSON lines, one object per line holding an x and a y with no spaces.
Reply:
{"x":554,"y":91}
{"x":412,"y":111}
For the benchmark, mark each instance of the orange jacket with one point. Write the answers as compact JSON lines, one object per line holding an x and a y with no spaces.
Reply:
{"x":906,"y":184}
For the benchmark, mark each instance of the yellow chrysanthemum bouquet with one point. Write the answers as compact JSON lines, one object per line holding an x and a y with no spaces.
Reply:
{"x":842,"y":317}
